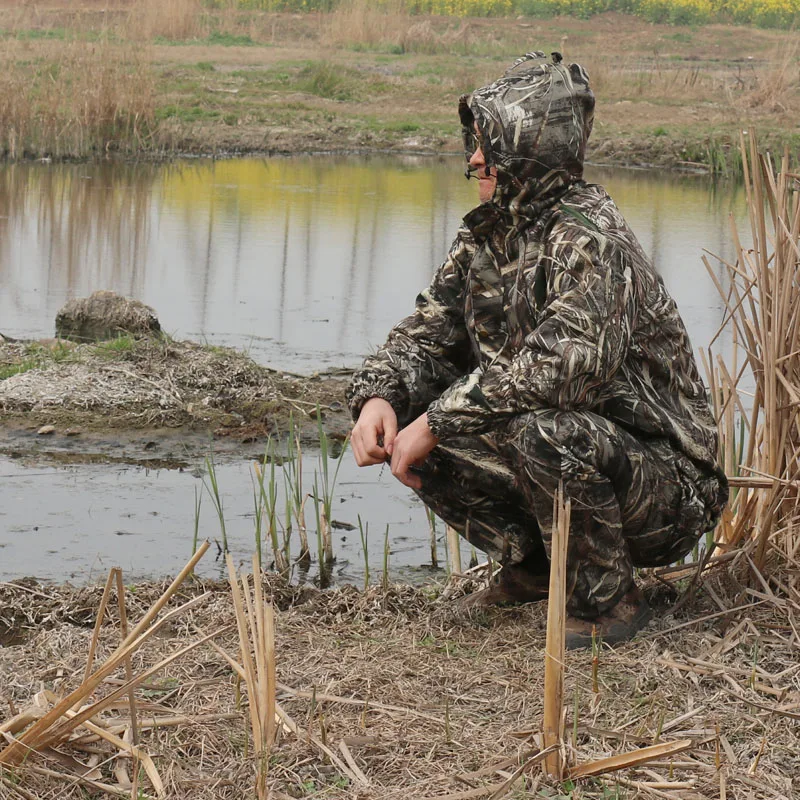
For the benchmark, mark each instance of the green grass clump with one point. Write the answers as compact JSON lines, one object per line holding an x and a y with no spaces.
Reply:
{"x":326,"y":80}
{"x":229,"y":39}
{"x":115,"y":347}
{"x":9,"y":370}
{"x":190,"y":114}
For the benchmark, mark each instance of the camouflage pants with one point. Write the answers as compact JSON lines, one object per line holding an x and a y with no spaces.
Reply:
{"x":634,"y":503}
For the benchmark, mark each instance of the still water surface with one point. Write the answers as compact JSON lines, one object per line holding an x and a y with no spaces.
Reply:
{"x":304,"y":262}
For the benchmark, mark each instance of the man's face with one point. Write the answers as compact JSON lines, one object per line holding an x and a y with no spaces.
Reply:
{"x":486,"y":183}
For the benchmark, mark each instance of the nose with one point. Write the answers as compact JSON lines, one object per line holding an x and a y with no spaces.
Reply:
{"x":477,"y":160}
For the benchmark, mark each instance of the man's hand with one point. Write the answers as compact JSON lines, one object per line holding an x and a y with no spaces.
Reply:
{"x":411,"y":446}
{"x":377,"y":423}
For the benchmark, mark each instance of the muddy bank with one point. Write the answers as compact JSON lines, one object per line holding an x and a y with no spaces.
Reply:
{"x":130,"y":398}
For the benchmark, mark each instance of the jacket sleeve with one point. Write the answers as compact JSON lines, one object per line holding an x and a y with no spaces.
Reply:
{"x":427,"y":351}
{"x":571,"y":356}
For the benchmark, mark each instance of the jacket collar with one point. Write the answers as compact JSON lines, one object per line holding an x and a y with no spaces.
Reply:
{"x":513,"y":215}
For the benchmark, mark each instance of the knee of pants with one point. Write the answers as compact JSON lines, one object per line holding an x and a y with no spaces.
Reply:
{"x":568,"y":440}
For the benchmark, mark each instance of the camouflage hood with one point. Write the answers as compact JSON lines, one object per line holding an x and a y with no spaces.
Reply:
{"x":533,"y":125}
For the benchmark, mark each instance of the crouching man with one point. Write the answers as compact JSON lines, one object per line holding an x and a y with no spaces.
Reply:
{"x":546,"y":351}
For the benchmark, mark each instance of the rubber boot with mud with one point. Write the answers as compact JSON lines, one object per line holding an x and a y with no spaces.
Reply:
{"x":515,"y":584}
{"x":619,"y":624}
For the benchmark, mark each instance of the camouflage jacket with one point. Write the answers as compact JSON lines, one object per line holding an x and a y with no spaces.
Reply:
{"x":546,"y":298}
{"x":573,"y":317}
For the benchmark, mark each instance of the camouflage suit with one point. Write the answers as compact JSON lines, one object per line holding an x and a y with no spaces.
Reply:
{"x":546,"y":349}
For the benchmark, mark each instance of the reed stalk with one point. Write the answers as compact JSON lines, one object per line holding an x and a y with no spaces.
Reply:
{"x":553,"y":732}
{"x":386,"y":554}
{"x":760,"y":439}
{"x":432,"y":529}
{"x":453,"y":551}
{"x":327,"y":484}
{"x":363,"y":532}
{"x":198,"y":502}
{"x":293,"y":475}
{"x":255,"y":623}
{"x":324,"y":564}
{"x":266,"y":506}
{"x":212,"y":487}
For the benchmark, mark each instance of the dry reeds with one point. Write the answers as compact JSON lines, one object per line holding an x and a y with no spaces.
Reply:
{"x":760,"y":435}
{"x":176,"y":20}
{"x":554,"y":647}
{"x":51,"y":720}
{"x":87,"y":98}
{"x":362,"y":22}
{"x":255,"y":622}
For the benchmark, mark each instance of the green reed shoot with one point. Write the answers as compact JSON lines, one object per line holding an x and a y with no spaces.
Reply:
{"x":267,"y":507}
{"x":327,"y":484}
{"x":432,"y":527}
{"x":293,"y":475}
{"x":212,"y":486}
{"x":198,"y":502}
{"x":324,"y":564}
{"x":386,"y":552}
{"x":363,"y":531}
{"x":258,"y":508}
{"x":287,"y":526}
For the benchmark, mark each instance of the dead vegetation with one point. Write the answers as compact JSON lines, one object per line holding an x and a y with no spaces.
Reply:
{"x":392,"y":694}
{"x":755,"y":388}
{"x":153,"y":382}
{"x":87,"y":98}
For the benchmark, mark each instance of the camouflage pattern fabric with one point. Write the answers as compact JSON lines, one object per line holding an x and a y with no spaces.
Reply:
{"x":633,"y":503}
{"x":547,"y":326}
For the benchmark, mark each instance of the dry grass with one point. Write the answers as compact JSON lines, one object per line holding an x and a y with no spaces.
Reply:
{"x":364,"y":25}
{"x":412,"y":699}
{"x":176,"y":20}
{"x":760,"y":430}
{"x":776,"y":89}
{"x":85,"y":99}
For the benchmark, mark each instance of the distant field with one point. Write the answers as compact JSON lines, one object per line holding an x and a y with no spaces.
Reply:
{"x":161,"y":77}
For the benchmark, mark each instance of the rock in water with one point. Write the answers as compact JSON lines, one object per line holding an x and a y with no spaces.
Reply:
{"x":105,"y":315}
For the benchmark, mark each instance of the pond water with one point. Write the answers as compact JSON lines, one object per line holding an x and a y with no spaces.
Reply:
{"x":305,"y":263}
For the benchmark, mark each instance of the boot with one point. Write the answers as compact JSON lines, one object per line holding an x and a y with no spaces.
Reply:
{"x":618,"y":624}
{"x":515,"y":584}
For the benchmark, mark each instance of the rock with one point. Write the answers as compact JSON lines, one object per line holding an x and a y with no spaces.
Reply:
{"x":46,"y":430}
{"x":105,"y":315}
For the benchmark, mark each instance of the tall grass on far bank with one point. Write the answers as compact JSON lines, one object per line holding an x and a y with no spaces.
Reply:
{"x":85,"y":99}
{"x":168,"y":19}
{"x":764,"y":13}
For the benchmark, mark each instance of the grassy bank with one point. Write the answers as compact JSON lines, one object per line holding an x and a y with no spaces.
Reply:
{"x":153,"y":79}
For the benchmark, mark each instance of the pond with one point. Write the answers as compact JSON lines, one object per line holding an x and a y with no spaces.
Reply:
{"x":305,"y":263}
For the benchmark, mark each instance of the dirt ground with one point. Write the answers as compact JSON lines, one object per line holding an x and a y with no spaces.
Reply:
{"x":429,"y":701}
{"x":289,"y":83}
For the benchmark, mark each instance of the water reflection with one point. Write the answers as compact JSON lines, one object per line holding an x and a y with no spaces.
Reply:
{"x":304,"y":261}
